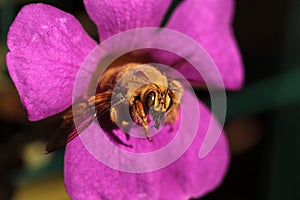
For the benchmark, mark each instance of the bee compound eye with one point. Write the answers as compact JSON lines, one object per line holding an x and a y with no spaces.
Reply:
{"x":150,"y":99}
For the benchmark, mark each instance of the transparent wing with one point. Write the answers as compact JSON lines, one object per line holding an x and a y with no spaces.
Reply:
{"x":85,"y":114}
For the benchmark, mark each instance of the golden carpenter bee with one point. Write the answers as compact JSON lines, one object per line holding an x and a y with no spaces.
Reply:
{"x":129,"y":93}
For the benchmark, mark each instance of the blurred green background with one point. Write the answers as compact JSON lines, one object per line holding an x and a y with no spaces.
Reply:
{"x":262,"y":119}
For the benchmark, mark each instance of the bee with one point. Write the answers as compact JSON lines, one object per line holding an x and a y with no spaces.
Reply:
{"x":131,"y":93}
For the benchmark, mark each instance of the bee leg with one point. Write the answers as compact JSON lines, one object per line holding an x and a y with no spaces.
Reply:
{"x":171,"y":116}
{"x":114,"y":116}
{"x":126,"y":127}
{"x":139,"y":116}
{"x":147,"y":133}
{"x":176,"y":94}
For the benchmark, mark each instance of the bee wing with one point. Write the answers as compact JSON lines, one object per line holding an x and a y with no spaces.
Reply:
{"x":60,"y":136}
{"x":85,"y":114}
{"x":191,"y":82}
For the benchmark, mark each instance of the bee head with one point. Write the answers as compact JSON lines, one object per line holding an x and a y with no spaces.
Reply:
{"x":158,"y":99}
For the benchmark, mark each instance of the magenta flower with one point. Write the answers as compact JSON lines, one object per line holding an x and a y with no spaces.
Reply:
{"x":47,"y":47}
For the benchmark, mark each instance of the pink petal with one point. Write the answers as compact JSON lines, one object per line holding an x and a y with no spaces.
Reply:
{"x":189,"y":176}
{"x":115,"y":16}
{"x":209,"y":23}
{"x":47,"y":47}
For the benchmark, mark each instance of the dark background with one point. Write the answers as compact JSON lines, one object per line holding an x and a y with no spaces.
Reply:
{"x":262,"y":121}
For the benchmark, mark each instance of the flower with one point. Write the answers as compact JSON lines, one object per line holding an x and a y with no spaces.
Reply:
{"x":47,"y":47}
